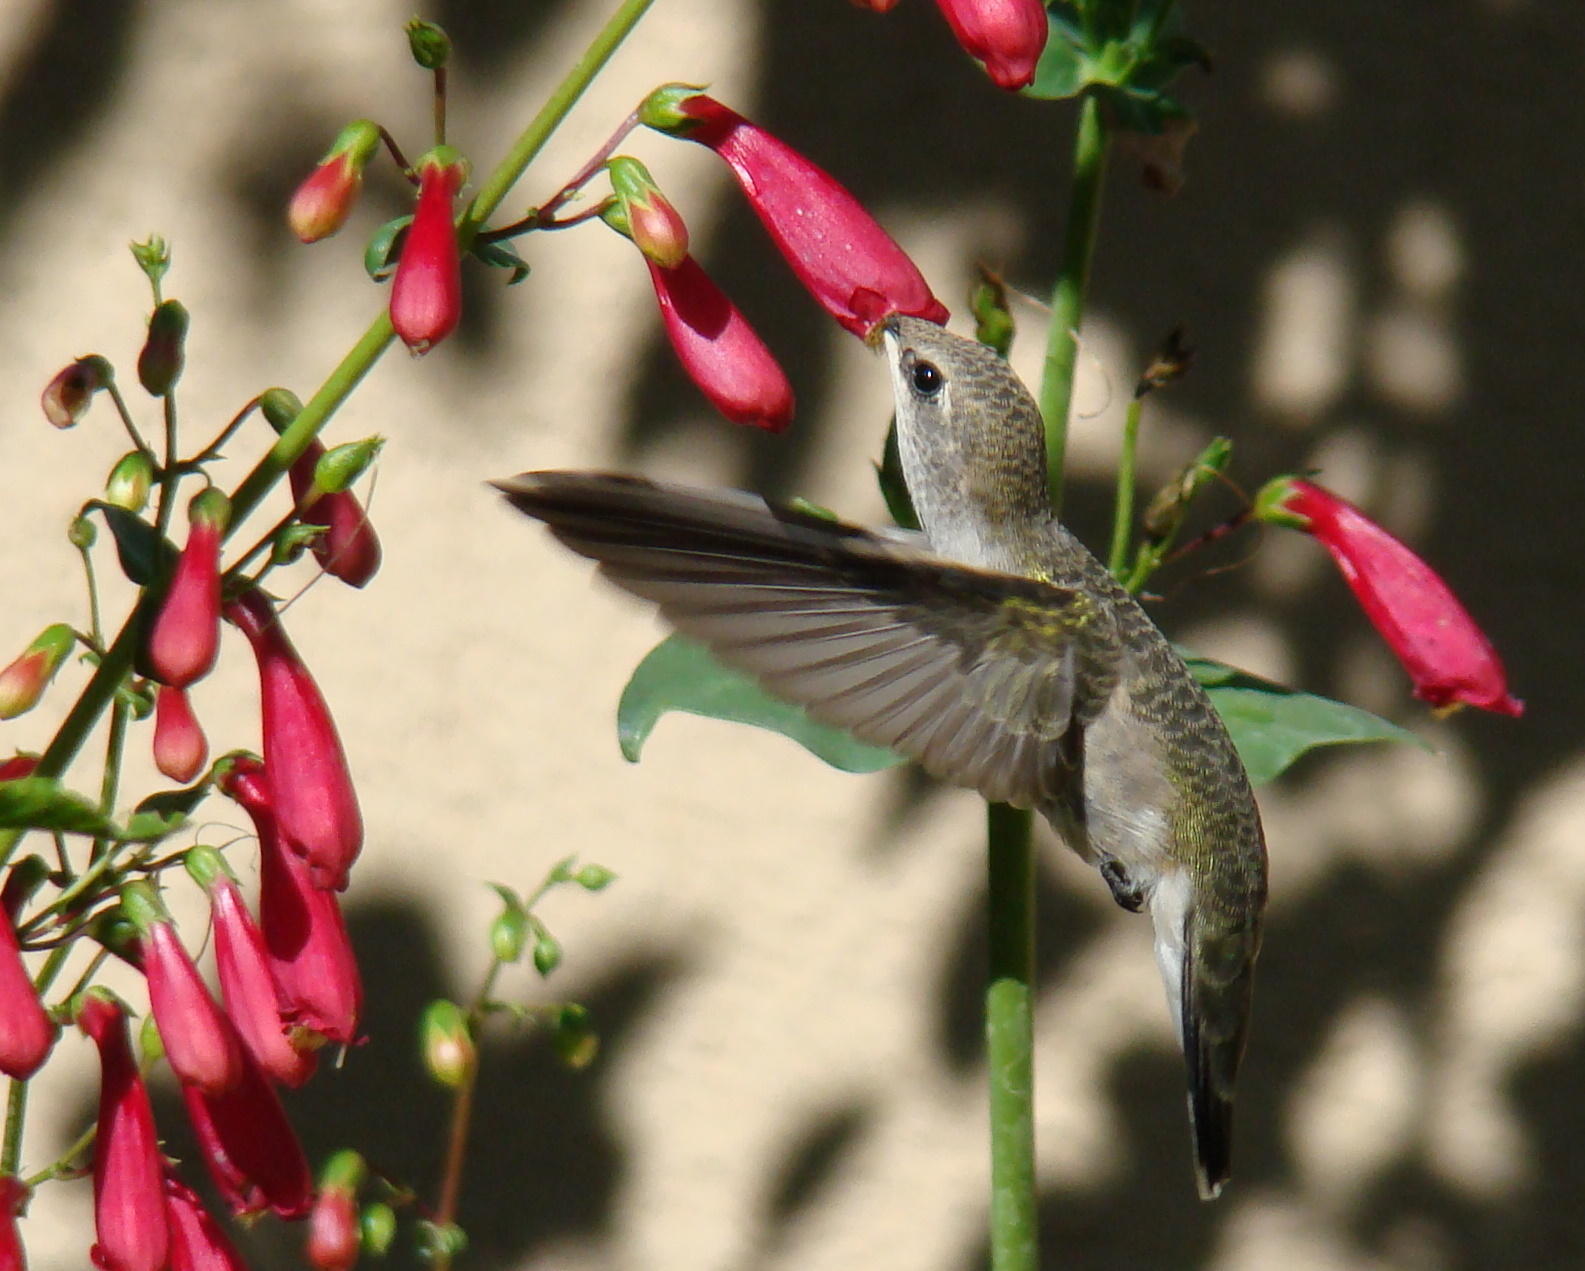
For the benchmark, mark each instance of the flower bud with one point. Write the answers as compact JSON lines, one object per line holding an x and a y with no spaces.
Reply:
{"x":720,"y":351}
{"x":547,"y":953}
{"x":1447,"y":656}
{"x":24,"y":681}
{"x":576,"y":1042}
{"x":310,"y":790}
{"x":200,"y":1043}
{"x":28,"y":1034}
{"x":180,"y":747}
{"x":508,"y":934}
{"x":186,"y":635}
{"x":81,"y":533}
{"x":66,"y":398}
{"x":337,"y":469}
{"x":844,"y":258}
{"x":247,"y":986}
{"x":431,"y":46}
{"x":22,"y":880}
{"x":197,"y":1242}
{"x":13,"y":1199}
{"x":378,"y":1226}
{"x":646,"y":215}
{"x":129,"y":1192}
{"x":447,"y":1043}
{"x":321,"y":204}
{"x":594,"y":877}
{"x":1006,"y":36}
{"x":130,"y":481}
{"x":426,"y":294}
{"x":333,"y":1227}
{"x":305,"y":937}
{"x":160,"y":362}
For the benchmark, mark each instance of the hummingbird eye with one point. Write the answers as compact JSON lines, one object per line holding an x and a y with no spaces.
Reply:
{"x":926,"y":379}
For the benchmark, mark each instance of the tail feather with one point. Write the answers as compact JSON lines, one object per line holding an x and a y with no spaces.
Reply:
{"x":1214,"y":996}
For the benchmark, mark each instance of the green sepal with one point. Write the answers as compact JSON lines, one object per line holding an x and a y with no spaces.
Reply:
{"x":1273,"y":725}
{"x":680,"y":675}
{"x":384,"y":248}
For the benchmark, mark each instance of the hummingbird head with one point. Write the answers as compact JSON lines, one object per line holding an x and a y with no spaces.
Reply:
{"x":970,"y":436}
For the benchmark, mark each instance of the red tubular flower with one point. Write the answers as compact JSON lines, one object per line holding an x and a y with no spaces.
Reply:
{"x":13,"y":1196}
{"x":305,"y":936}
{"x":180,"y":747}
{"x":719,"y":350}
{"x":197,"y":1242}
{"x":349,"y":547}
{"x":129,"y":1203}
{"x":201,"y":1044}
{"x":18,"y":766}
{"x":1007,"y":36}
{"x":310,"y":790}
{"x":844,"y":258}
{"x":323,"y":202}
{"x":249,"y":1147}
{"x":26,"y":1039}
{"x":1447,"y":656}
{"x":248,"y":987}
{"x":23,"y":682}
{"x":186,"y":635}
{"x":426,"y":294}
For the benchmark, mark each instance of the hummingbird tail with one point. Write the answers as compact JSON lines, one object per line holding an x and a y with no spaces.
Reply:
{"x":1215,"y":999}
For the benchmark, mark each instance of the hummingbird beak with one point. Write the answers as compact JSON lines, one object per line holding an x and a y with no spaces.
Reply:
{"x":882,"y":332}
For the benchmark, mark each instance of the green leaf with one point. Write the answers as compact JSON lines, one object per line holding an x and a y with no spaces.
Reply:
{"x":679,"y":675}
{"x":382,"y":251}
{"x":1273,"y":725}
{"x":40,"y":803}
{"x":1064,"y":67}
{"x":502,"y":255}
{"x":145,"y":556}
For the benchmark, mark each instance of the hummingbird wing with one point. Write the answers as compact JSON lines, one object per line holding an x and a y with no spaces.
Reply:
{"x":977,"y":675}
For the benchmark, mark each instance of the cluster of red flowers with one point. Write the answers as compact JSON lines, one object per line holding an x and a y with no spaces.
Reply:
{"x":287,"y":977}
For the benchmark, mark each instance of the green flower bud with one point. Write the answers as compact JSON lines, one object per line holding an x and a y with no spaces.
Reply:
{"x":160,"y":362}
{"x":23,"y":682}
{"x":594,"y":878}
{"x":342,"y":465}
{"x":378,"y":1226}
{"x":130,"y":481}
{"x":279,"y":406}
{"x":993,"y":319}
{"x":449,"y":1052}
{"x":508,"y":934}
{"x":430,"y":45}
{"x":82,"y":533}
{"x":576,"y":1042}
{"x":660,"y":109}
{"x":153,"y":257}
{"x":547,"y":953}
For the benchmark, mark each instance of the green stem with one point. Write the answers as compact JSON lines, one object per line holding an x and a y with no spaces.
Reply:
{"x":1009,"y":1038}
{"x":540,"y":128}
{"x":1067,"y":297}
{"x":16,"y":1115}
{"x":1123,"y":508}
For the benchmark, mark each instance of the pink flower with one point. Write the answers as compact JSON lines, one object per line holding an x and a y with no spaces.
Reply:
{"x":180,"y":747}
{"x":249,"y":1147}
{"x":200,"y":1043}
{"x":719,"y":350}
{"x":129,"y":1202}
{"x":841,"y":255}
{"x":23,"y":682}
{"x":1008,"y":36}
{"x":186,"y":635}
{"x":305,"y":936}
{"x":13,"y":1196}
{"x":646,"y":215}
{"x":248,"y":987}
{"x":426,"y":294}
{"x":323,"y":202}
{"x":197,"y":1242}
{"x":1447,"y":656}
{"x":26,"y":1039}
{"x":349,"y":547}
{"x":310,"y":789}
{"x":18,"y":766}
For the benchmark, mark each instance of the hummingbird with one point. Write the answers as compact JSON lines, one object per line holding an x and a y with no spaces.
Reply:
{"x":994,"y":650}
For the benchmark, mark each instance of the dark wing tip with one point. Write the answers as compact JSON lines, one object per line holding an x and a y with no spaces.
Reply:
{"x":1210,"y":1106}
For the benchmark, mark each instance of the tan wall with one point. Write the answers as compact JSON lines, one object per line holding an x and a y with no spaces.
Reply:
{"x":1378,"y":257}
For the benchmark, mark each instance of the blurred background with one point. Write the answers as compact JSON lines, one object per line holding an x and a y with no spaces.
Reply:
{"x":1377,"y":256}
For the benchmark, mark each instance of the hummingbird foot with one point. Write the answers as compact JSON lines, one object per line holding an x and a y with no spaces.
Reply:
{"x":1124,"y":892}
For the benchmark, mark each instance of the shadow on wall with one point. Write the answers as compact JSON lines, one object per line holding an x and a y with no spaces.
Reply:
{"x":1411,"y":105}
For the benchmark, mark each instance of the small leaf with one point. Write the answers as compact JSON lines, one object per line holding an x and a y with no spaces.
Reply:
{"x":679,"y":675}
{"x":502,"y":255}
{"x":41,"y":803}
{"x":174,"y":804}
{"x":145,"y":556}
{"x":383,"y":249}
{"x":1273,"y":725}
{"x":1064,"y":67}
